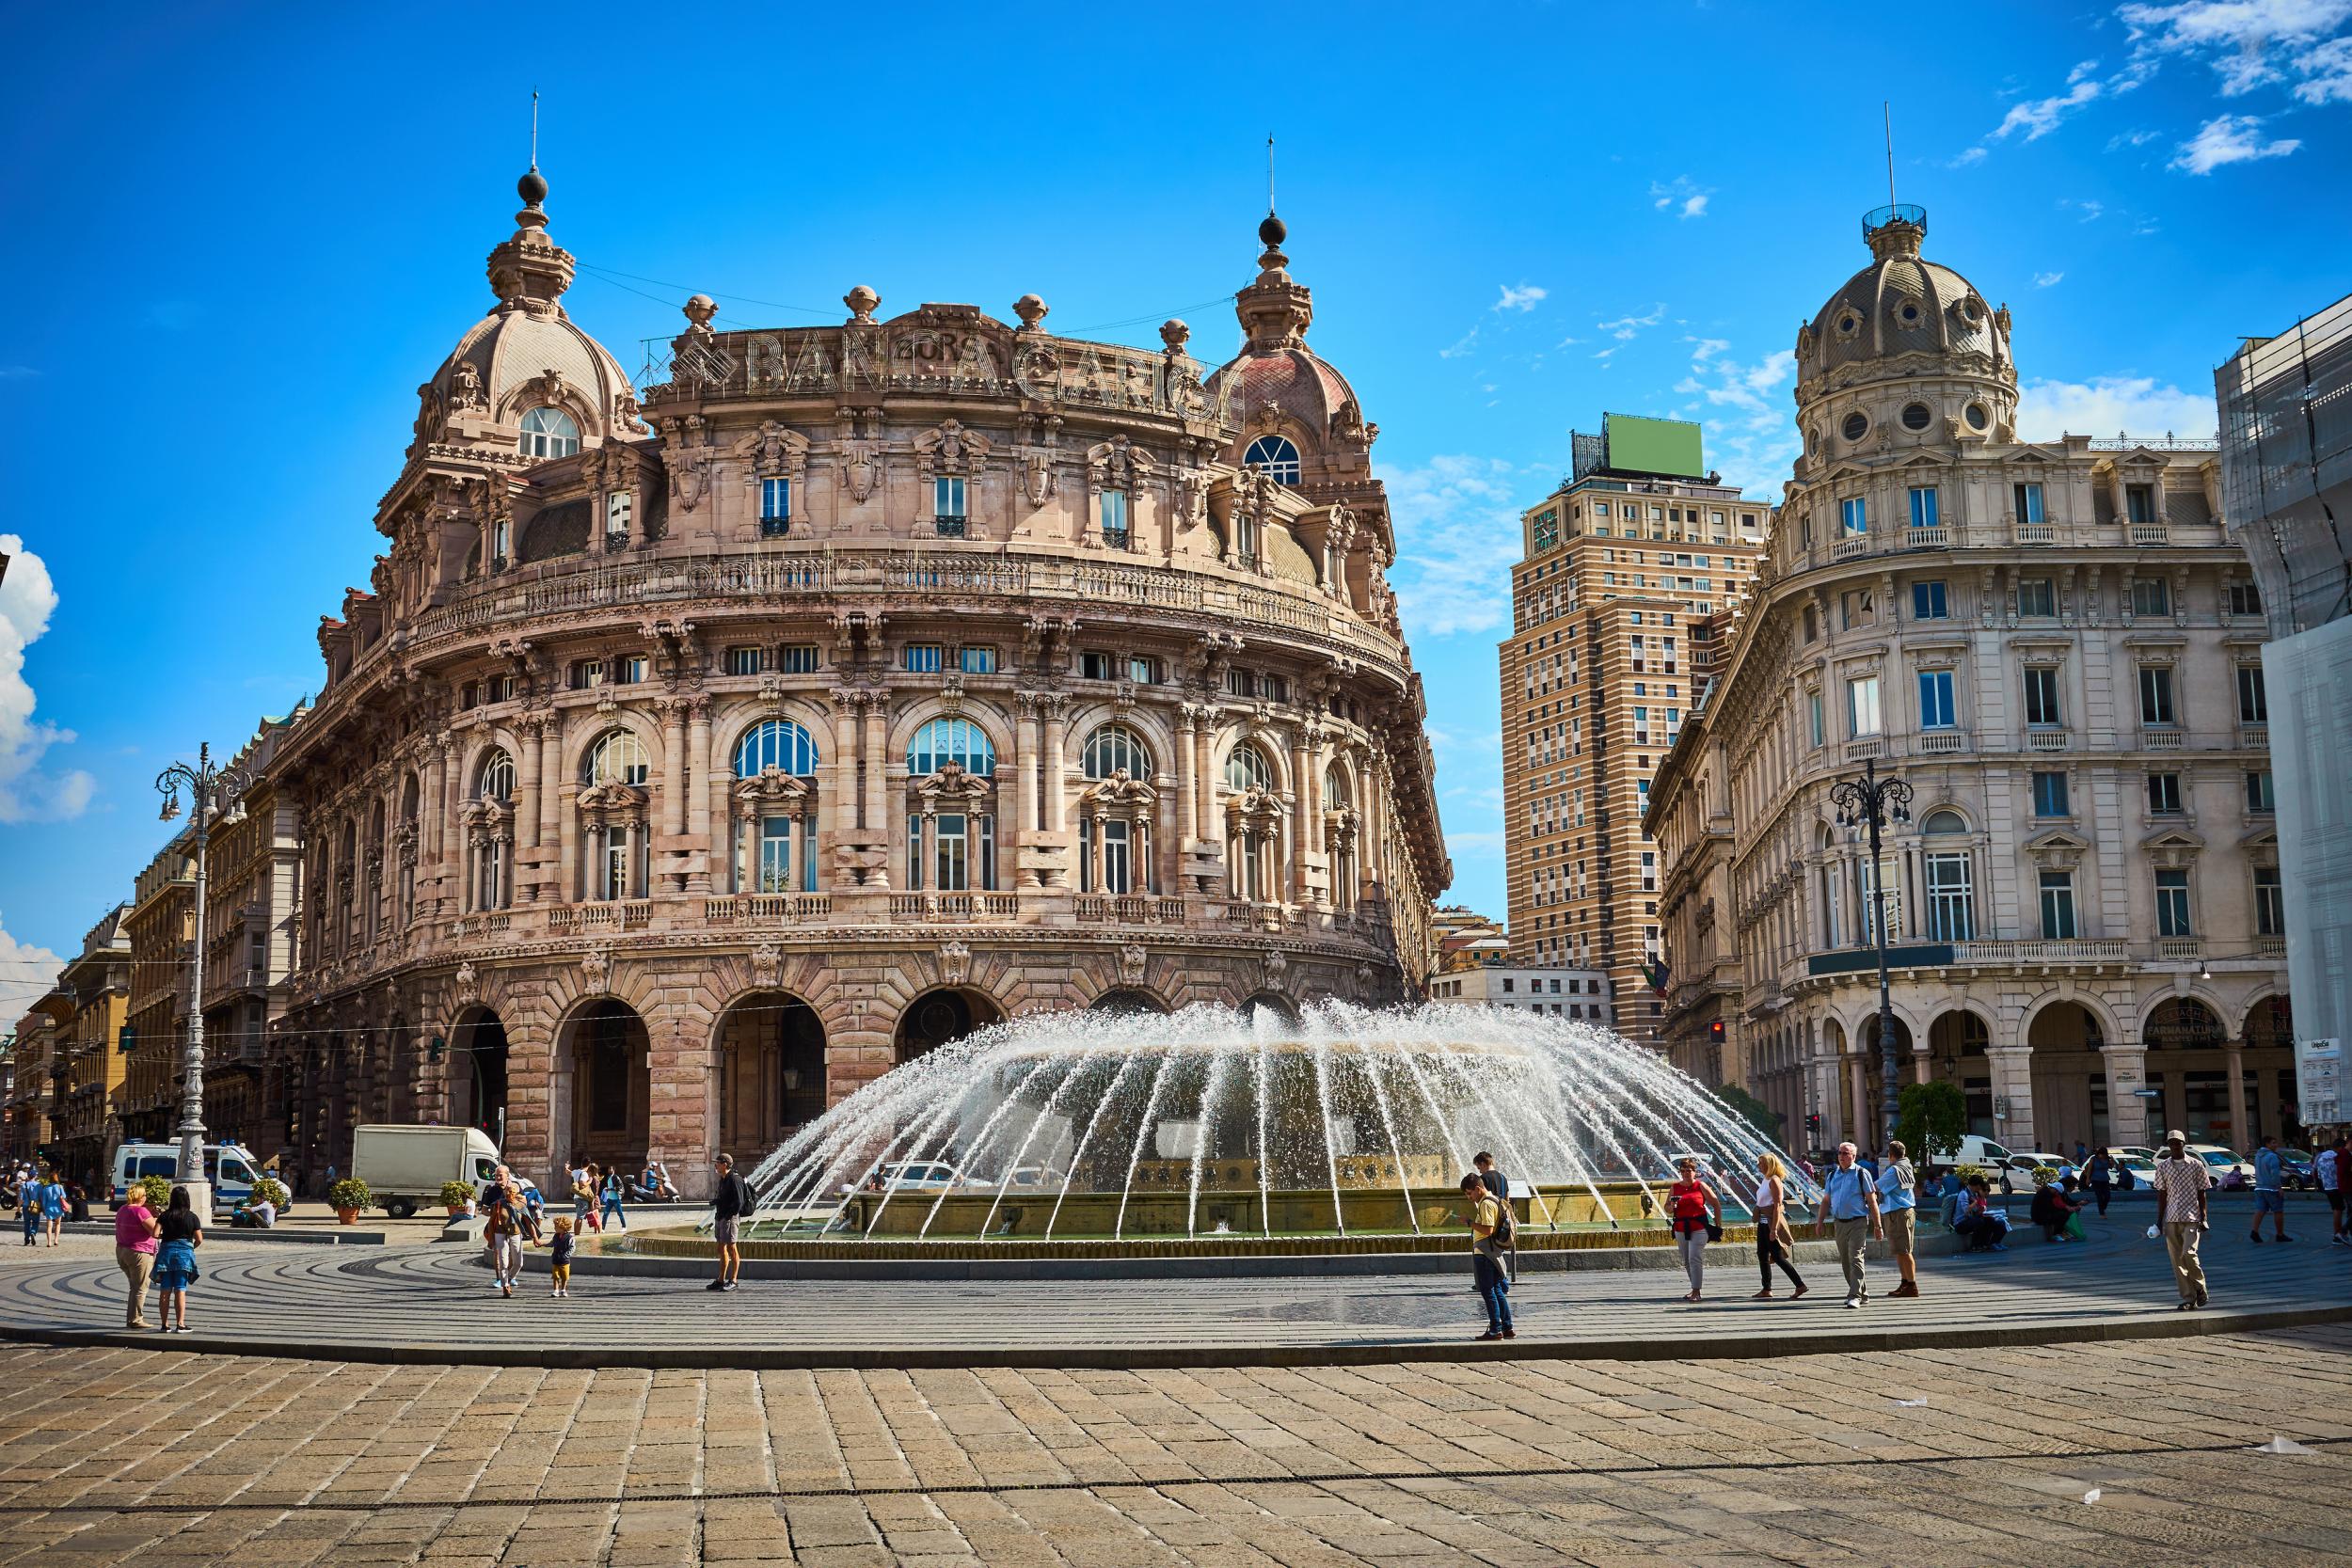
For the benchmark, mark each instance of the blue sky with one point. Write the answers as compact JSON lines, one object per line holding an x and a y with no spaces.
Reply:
{"x":244,"y":233}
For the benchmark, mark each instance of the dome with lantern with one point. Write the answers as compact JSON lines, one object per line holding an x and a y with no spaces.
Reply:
{"x":1899,"y":306}
{"x":525,"y":372}
{"x":1299,"y":416}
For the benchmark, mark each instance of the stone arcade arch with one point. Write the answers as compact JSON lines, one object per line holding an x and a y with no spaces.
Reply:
{"x":769,"y":1078}
{"x":603,"y":1052}
{"x":942,"y":1017}
{"x":474,"y":1074}
{"x":2069,"y":1082}
{"x":1127,"y":1001}
{"x":1958,"y":1043}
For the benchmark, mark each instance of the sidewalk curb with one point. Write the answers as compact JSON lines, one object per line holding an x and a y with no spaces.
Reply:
{"x":1735,"y":1346}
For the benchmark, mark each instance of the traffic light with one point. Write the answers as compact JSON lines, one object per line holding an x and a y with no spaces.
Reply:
{"x":1715,"y":1033}
{"x":434,"y":1048}
{"x":1813,"y":1123}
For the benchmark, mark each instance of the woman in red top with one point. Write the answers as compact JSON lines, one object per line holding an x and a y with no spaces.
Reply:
{"x":1690,"y":1202}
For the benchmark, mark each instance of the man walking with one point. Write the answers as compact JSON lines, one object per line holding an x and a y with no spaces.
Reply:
{"x":505,"y":1220}
{"x":1490,"y":1233}
{"x":2270,"y":1195}
{"x":2330,"y":1166}
{"x":1851,"y":1202}
{"x":1499,"y":1186}
{"x":2182,"y":1184}
{"x":732,"y":1201}
{"x":1898,"y":1202}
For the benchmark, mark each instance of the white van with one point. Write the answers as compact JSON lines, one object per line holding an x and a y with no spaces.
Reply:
{"x":1974,"y":1151}
{"x":230,"y":1167}
{"x":405,"y":1166}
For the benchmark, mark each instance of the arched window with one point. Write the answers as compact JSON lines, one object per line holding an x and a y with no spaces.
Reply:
{"x":617,"y":757}
{"x":1950,"y":888}
{"x":1340,"y":836}
{"x":1246,"y":768}
{"x":1275,"y":457}
{"x":498,"y":777}
{"x":780,"y":744}
{"x":956,"y":741}
{"x":548,"y":432}
{"x":1115,"y":747}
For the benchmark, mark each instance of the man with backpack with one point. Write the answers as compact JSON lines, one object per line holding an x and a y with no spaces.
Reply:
{"x":729,"y":1204}
{"x":1493,"y":1232}
{"x":1499,"y":1186}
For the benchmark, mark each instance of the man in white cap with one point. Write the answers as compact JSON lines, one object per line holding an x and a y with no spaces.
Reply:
{"x":2180,"y":1185}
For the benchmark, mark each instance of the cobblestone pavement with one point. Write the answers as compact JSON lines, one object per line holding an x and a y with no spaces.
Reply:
{"x":433,"y":1303}
{"x":1927,"y":1458}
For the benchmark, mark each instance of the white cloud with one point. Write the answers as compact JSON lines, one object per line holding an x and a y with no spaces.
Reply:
{"x":1682,"y":197}
{"x":2254,"y":43}
{"x":2229,"y":140}
{"x":2092,"y":211}
{"x":2131,"y":139}
{"x":1625,"y":328}
{"x":1971,"y":156}
{"x":1458,"y":522}
{"x":1753,"y":432}
{"x":2048,"y":279}
{"x":27,"y":793}
{"x":26,"y":972}
{"x":2111,"y":405}
{"x":1460,"y":346}
{"x":1525,"y":297}
{"x":2037,"y":117}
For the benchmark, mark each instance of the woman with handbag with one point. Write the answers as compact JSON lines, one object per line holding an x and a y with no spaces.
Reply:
{"x":182,"y":1233}
{"x":1774,"y":1241}
{"x":1698,"y":1215}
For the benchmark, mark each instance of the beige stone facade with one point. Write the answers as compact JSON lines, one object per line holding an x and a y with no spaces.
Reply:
{"x":2056,"y":645}
{"x":1617,"y":571}
{"x":162,"y":930}
{"x":703,"y":752}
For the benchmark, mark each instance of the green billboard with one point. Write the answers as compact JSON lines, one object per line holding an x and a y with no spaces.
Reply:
{"x":1653,"y":446}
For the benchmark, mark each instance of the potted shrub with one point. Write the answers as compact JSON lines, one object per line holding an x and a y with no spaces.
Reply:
{"x":347,"y":1198}
{"x":158,"y":1190}
{"x":271,"y":1191}
{"x":458,"y":1195}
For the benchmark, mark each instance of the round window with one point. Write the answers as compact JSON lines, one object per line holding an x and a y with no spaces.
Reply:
{"x":1911,"y":312}
{"x":1857,"y":426}
{"x":1915,"y":417}
{"x":1978,"y":417}
{"x":1813,"y":440}
{"x":1848,"y":324}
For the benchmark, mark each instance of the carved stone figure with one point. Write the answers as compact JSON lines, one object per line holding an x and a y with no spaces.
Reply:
{"x":1134,"y":958}
{"x":955,"y":963}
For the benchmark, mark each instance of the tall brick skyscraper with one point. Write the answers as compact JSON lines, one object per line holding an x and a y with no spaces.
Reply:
{"x":1616,"y":566}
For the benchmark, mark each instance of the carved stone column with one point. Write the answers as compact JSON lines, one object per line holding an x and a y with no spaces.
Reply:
{"x":2242,"y":1134}
{"x":709,"y":774}
{"x":1186,"y":762}
{"x":527,"y":781}
{"x":1204,"y":775}
{"x":876,"y":779}
{"x":551,"y":793}
{"x":1057,"y":764}
{"x":1302,"y":820}
{"x":438,"y":766}
{"x":677,"y":766}
{"x":1026,"y":795}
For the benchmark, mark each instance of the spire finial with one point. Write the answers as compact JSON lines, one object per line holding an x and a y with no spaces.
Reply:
{"x":533,"y":186}
{"x":1269,"y":171}
{"x":535,"y":127}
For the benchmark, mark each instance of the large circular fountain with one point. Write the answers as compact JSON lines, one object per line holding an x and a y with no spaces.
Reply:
{"x":1202,"y":1125}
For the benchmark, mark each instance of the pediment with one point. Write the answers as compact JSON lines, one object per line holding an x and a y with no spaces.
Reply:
{"x":2057,"y":839}
{"x":2172,"y":839}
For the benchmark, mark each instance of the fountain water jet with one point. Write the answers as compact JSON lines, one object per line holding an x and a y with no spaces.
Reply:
{"x":1346,"y":1122}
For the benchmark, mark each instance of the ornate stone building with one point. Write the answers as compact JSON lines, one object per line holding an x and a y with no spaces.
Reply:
{"x":695,"y":758}
{"x":160,"y":926}
{"x":2056,"y":645}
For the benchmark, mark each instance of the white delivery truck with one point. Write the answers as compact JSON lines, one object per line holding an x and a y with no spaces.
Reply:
{"x":405,"y":1166}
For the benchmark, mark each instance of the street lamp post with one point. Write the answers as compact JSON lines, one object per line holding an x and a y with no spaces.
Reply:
{"x":1877,"y":802}
{"x":213,"y":789}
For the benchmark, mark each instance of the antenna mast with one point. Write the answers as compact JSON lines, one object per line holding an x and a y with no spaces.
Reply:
{"x":535,"y":127}
{"x":1269,"y":171}
{"x":1886,"y":114}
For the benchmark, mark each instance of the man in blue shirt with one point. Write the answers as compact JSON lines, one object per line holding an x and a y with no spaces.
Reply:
{"x":1898,"y":1195}
{"x":2270,"y":1191}
{"x":1850,"y":1202}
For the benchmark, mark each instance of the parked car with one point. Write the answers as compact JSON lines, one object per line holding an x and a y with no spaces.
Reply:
{"x":2136,"y":1152}
{"x":230,"y":1168}
{"x":1022,"y":1178}
{"x":2141,"y":1169}
{"x":1975,"y":1150}
{"x":2230,"y":1169}
{"x":2298,"y":1167}
{"x":2018,"y":1170}
{"x":914,"y":1175}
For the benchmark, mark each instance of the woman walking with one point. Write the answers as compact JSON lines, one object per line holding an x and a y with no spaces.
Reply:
{"x":1773,"y":1239}
{"x":2099,"y":1175}
{"x":584,"y":1196}
{"x":175,"y":1260}
{"x":1695,"y":1209}
{"x":612,"y":1210}
{"x":53,"y":1208}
